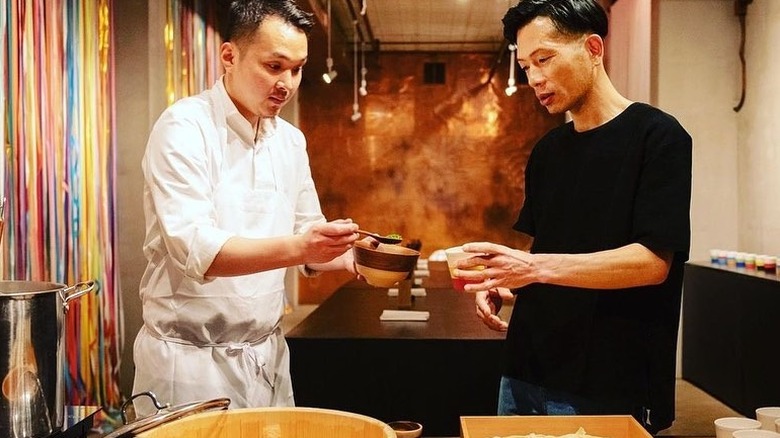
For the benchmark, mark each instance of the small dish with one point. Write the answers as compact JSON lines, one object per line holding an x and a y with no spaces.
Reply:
{"x":406,"y":429}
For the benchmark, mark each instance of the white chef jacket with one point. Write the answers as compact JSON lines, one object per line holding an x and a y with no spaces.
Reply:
{"x":206,"y":179}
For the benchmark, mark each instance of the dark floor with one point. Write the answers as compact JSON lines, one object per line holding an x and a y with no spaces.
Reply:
{"x":696,"y":412}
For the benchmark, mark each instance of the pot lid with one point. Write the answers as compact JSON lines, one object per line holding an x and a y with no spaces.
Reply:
{"x":164,"y":414}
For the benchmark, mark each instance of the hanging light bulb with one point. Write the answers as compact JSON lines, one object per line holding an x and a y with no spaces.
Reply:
{"x":355,"y":106}
{"x":329,"y":75}
{"x":511,"y":87}
{"x":363,"y":70}
{"x":356,"y":114}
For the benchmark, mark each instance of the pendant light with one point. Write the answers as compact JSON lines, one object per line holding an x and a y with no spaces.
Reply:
{"x":363,"y":70}
{"x":511,"y":88}
{"x":355,"y":106}
{"x":329,"y":75}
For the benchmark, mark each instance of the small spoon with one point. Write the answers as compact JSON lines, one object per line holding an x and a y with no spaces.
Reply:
{"x":382,"y":239}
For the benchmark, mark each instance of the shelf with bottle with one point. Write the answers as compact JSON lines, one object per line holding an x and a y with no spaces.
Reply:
{"x":748,"y":263}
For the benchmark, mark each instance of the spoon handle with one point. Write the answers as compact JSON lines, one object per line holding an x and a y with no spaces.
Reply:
{"x":382,"y":239}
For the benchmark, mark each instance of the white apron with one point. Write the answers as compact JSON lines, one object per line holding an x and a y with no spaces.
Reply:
{"x":219,"y":338}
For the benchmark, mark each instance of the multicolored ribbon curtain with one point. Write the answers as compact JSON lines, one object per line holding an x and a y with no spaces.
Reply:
{"x":59,"y":175}
{"x":192,"y":44}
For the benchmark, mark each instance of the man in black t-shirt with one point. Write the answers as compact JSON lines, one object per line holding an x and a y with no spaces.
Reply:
{"x":597,"y":291}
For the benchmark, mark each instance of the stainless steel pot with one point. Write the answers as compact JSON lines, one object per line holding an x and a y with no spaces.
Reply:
{"x":32,"y":355}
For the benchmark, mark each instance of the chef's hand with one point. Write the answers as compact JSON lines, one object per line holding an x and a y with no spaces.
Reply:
{"x":489,"y":303}
{"x":324,"y":242}
{"x":504,"y":267}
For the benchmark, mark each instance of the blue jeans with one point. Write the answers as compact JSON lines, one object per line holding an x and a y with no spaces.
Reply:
{"x":516,"y":397}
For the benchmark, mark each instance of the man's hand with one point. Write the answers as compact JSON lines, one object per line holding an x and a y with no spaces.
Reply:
{"x":488,"y":305}
{"x":324,"y":242}
{"x":504,"y":267}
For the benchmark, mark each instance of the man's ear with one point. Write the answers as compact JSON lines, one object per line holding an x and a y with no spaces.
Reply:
{"x":228,"y":54}
{"x":594,"y":44}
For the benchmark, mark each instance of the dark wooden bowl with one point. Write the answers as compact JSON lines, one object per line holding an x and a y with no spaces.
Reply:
{"x":384,"y":265}
{"x":385,"y":257}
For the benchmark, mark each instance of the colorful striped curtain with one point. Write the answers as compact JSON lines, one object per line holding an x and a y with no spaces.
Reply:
{"x":192,"y":44}
{"x":58,"y":168}
{"x":59,"y":175}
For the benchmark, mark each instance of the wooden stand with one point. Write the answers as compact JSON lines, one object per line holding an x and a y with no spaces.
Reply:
{"x":405,"y":293}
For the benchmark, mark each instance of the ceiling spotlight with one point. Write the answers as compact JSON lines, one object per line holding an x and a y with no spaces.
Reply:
{"x":511,"y":88}
{"x":363,"y":70}
{"x":356,"y":115}
{"x":363,"y":84}
{"x":355,"y":106}
{"x":330,"y":75}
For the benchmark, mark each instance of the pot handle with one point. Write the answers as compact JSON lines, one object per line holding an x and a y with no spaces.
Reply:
{"x":157,"y":405}
{"x":71,"y":293}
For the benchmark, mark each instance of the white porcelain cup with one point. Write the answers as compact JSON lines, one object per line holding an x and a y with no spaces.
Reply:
{"x":726,"y":426}
{"x":454,"y":255}
{"x":767,"y":417}
{"x":755,"y":433}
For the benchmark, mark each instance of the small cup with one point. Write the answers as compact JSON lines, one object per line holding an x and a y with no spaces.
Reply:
{"x":755,"y":433}
{"x":454,"y":255}
{"x":406,"y":429}
{"x":770,"y":264}
{"x":767,"y":416}
{"x":726,"y":426}
{"x":714,"y":256}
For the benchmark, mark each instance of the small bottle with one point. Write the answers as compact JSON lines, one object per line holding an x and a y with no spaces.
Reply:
{"x":750,"y":262}
{"x":714,"y":256}
{"x":770,"y":264}
{"x":731,"y":259}
{"x":722,"y":256}
{"x":740,"y":260}
{"x":760,"y":263}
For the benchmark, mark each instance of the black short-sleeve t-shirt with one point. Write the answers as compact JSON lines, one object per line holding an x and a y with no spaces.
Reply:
{"x":627,"y":181}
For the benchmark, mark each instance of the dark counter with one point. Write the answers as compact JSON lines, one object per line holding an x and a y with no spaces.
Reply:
{"x":343,"y":357}
{"x":730,"y":327}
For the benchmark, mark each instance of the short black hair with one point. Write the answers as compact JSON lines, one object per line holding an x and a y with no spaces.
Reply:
{"x":570,"y":17}
{"x":245,"y":16}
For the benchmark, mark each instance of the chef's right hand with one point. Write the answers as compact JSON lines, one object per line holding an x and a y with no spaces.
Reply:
{"x":488,"y":303}
{"x":326,"y":241}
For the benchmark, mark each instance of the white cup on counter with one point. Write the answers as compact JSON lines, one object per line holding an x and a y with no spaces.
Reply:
{"x":755,"y":433}
{"x":726,"y":426}
{"x":767,"y":416}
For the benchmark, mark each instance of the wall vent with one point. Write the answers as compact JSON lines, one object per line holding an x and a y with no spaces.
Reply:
{"x":434,"y":73}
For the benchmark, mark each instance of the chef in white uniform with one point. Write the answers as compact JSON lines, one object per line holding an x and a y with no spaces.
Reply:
{"x":229,"y":204}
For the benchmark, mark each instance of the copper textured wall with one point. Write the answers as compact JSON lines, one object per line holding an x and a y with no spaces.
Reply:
{"x":442,"y":163}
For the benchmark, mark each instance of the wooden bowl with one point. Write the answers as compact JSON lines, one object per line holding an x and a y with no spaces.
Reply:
{"x":384,"y":265}
{"x":292,"y":422}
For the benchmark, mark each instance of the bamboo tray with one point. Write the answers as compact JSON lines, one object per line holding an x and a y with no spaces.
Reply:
{"x":605,"y":426}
